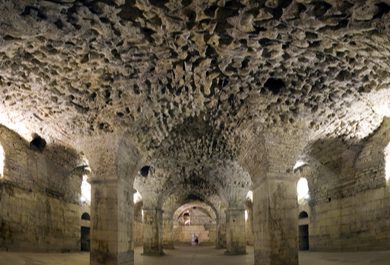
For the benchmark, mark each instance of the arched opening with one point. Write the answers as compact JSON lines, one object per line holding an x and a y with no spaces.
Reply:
{"x":2,"y":159}
{"x":85,"y":241}
{"x":85,"y":190}
{"x":303,"y":231}
{"x":249,"y":218}
{"x":302,"y":190}
{"x":193,"y":222}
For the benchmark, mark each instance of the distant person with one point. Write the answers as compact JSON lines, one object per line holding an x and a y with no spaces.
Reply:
{"x":196,"y":240}
{"x":193,"y":240}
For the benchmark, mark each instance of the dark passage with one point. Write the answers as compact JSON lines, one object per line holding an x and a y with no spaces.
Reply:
{"x":85,"y":241}
{"x":304,"y":237}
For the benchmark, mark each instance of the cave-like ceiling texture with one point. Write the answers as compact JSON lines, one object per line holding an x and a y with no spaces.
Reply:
{"x":186,"y":77}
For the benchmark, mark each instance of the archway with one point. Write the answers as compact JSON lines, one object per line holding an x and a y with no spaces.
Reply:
{"x":195,"y":219}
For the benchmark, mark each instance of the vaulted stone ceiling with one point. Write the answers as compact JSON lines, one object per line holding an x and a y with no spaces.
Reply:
{"x":187,"y":78}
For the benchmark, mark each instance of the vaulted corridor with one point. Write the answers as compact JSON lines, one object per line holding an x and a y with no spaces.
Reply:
{"x":246,"y":130}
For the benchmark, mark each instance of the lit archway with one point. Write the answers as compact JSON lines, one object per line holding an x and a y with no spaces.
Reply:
{"x":85,"y":190}
{"x":302,"y":190}
{"x":195,"y":220}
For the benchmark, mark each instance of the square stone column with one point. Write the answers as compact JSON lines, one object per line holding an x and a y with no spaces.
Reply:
{"x":221,"y":235}
{"x":235,"y":232}
{"x":275,"y":213}
{"x":168,"y":239}
{"x":153,"y":232}
{"x":111,"y":223}
{"x":114,"y":162}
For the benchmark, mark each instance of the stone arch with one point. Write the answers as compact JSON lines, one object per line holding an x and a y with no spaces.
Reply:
{"x":204,"y":229}
{"x":204,"y":205}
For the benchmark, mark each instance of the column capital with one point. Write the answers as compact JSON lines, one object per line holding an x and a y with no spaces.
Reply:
{"x":111,"y":156}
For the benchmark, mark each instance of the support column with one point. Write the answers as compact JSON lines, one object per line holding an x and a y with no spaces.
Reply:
{"x":114,"y":162}
{"x":221,"y":235}
{"x":275,"y":226}
{"x":168,"y":239}
{"x":249,"y":227}
{"x":111,"y":219}
{"x":153,"y":231}
{"x":235,"y":232}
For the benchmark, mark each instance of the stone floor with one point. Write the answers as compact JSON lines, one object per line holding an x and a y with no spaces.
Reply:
{"x":198,"y":256}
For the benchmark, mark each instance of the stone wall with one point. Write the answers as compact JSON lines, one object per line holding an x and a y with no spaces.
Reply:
{"x":350,"y":199}
{"x":138,"y":228}
{"x":201,"y":223}
{"x":354,"y":223}
{"x":138,"y":233}
{"x":206,"y":233}
{"x":39,"y":197}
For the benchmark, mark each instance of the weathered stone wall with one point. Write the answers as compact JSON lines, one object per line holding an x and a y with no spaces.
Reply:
{"x":138,"y":234}
{"x":206,"y":233}
{"x":138,"y":228}
{"x":201,"y":224}
{"x":350,"y":200}
{"x":39,"y":197}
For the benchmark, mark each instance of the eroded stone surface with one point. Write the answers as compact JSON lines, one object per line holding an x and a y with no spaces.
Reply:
{"x":214,"y":96}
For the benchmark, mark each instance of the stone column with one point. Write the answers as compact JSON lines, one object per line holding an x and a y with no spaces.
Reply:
{"x":111,"y":223}
{"x":249,"y":227}
{"x":235,"y":231}
{"x":168,"y":240}
{"x":275,"y":211}
{"x":221,"y":235}
{"x":153,"y":231}
{"x":114,"y":163}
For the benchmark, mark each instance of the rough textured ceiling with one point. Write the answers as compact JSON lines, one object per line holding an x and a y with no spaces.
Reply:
{"x":186,"y":78}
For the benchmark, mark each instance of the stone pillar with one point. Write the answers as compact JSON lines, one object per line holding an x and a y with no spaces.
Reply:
{"x":275,"y":211}
{"x":249,"y":227}
{"x":111,"y":223}
{"x":235,"y":231}
{"x":168,"y":239}
{"x":114,"y":163}
{"x":221,"y":235}
{"x":153,"y":231}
